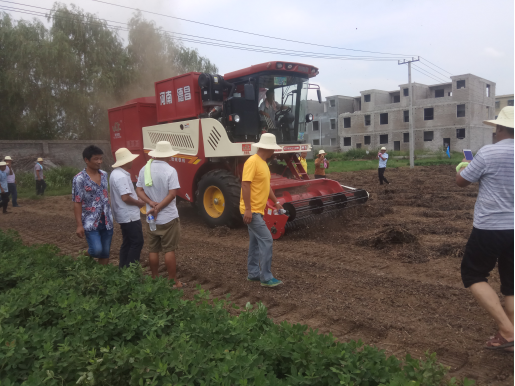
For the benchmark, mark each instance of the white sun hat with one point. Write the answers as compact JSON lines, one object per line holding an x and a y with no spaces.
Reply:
{"x":321,"y":152}
{"x":267,"y":141}
{"x":505,"y":118}
{"x":163,"y":149}
{"x":7,"y":158}
{"x":40,"y":159}
{"x":3,"y":163}
{"x":123,"y":156}
{"x":383,"y":148}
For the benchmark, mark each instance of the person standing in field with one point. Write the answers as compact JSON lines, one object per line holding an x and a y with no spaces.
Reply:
{"x":321,"y":163}
{"x":4,"y":189}
{"x":125,"y":205}
{"x":11,"y":181}
{"x":303,"y":161}
{"x":91,"y":206}
{"x":491,"y":240}
{"x":383,"y":159}
{"x":157,"y":186}
{"x":40,"y":179}
{"x":255,"y":192}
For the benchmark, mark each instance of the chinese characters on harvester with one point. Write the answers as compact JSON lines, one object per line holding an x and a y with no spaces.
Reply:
{"x":183,"y":94}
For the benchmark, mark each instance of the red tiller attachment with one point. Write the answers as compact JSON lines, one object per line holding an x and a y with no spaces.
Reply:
{"x":305,"y":200}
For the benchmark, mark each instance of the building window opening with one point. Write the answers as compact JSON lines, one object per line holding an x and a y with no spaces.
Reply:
{"x":439,"y":93}
{"x":406,"y":115}
{"x":332,"y":102}
{"x":346,"y":122}
{"x":429,"y":114}
{"x":460,"y":133}
{"x":383,"y":118}
{"x":406,"y":137}
{"x":406,"y":91}
{"x":367,"y":120}
{"x":428,"y":136}
{"x":460,"y":110}
{"x":333,"y":123}
{"x":332,"y":141}
{"x":488,"y":90}
{"x":367,"y":139}
{"x":396,"y":98}
{"x":367,"y":97}
{"x":383,"y":139}
{"x":316,"y":142}
{"x":460,"y":84}
{"x":315,"y":125}
{"x":358,"y":146}
{"x":510,"y":102}
{"x":497,"y":104}
{"x":347,"y":141}
{"x":449,"y":93}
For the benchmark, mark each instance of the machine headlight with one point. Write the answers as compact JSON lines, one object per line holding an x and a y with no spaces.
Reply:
{"x":279,"y":65}
{"x":313,"y":70}
{"x":236,"y":118}
{"x":309,"y":117}
{"x":289,"y":66}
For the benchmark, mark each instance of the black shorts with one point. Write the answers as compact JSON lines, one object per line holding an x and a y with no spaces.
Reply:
{"x":485,"y":248}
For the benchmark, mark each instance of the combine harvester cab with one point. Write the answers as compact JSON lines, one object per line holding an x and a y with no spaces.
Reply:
{"x":213,"y":120}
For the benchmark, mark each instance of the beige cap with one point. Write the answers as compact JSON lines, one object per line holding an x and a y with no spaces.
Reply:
{"x":7,"y":158}
{"x":3,"y":164}
{"x":321,"y":152}
{"x":267,"y":141}
{"x":40,"y":159}
{"x":123,"y":156}
{"x":505,"y":118}
{"x":383,"y":148}
{"x":163,"y":149}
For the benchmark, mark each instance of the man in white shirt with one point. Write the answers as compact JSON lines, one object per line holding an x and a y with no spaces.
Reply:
{"x":491,"y":240}
{"x":383,"y":159}
{"x":11,"y":181}
{"x":157,"y":186}
{"x":125,"y":205}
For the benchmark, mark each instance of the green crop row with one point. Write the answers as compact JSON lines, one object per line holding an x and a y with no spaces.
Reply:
{"x":66,"y":321}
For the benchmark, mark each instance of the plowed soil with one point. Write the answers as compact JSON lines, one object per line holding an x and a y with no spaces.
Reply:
{"x":387,"y":273}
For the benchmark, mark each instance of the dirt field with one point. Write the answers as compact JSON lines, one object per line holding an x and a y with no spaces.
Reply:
{"x":387,"y":273}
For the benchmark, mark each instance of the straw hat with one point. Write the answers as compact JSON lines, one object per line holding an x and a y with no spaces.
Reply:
{"x":124,"y":156}
{"x":267,"y":141}
{"x":40,"y":159}
{"x":163,"y":149}
{"x":7,"y":158}
{"x":505,"y":118}
{"x":321,"y":152}
{"x":383,"y":148}
{"x":3,"y":164}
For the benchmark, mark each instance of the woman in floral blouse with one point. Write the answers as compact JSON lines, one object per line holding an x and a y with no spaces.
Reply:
{"x":91,"y":205}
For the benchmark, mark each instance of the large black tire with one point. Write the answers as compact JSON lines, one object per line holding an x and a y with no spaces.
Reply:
{"x":230,"y":187}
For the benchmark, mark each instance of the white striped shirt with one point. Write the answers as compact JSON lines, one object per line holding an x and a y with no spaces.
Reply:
{"x":493,"y":168}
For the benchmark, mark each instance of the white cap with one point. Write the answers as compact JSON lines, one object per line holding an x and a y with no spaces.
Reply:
{"x":321,"y":152}
{"x":505,"y":118}
{"x":163,"y":149}
{"x":383,"y":148}
{"x":3,"y":164}
{"x":267,"y":141}
{"x":7,"y":158}
{"x":124,"y":156}
{"x":40,"y":159}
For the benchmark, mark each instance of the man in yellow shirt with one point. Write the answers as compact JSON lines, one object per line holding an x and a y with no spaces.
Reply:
{"x":303,"y":161}
{"x":255,"y":192}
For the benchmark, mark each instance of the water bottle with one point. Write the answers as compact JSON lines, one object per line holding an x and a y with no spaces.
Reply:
{"x":280,"y":211}
{"x":151,"y":222}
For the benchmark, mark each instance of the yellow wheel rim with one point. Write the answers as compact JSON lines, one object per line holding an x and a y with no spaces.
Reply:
{"x":214,"y":202}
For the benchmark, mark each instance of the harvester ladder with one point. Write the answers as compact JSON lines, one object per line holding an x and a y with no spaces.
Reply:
{"x":298,"y":170}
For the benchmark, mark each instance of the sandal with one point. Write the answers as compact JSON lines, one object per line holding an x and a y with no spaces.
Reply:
{"x":500,"y":342}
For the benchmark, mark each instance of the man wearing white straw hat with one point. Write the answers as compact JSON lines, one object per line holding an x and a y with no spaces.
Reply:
{"x":125,"y":205}
{"x":321,"y":163}
{"x":11,"y":181}
{"x":40,"y":179}
{"x":383,"y":159}
{"x":491,"y":240}
{"x":255,"y":192}
{"x":157,"y":186}
{"x":4,"y":189}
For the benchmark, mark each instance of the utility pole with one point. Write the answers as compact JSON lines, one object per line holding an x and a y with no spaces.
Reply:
{"x":411,"y":134}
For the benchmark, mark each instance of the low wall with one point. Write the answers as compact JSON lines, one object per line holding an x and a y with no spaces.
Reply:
{"x":68,"y":153}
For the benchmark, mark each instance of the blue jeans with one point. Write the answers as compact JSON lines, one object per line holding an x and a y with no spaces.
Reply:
{"x":259,"y":260}
{"x":13,"y":192}
{"x":99,"y":241}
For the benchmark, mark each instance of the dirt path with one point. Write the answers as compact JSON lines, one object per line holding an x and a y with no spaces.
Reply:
{"x":346,"y":275}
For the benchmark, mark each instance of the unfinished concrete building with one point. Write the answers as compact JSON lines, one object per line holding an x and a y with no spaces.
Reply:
{"x":502,"y":101}
{"x":447,"y":114}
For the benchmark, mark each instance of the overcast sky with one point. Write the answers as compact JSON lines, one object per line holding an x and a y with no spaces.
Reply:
{"x":460,"y":36}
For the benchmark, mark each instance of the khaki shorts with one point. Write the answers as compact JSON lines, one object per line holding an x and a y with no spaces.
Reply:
{"x":165,"y":238}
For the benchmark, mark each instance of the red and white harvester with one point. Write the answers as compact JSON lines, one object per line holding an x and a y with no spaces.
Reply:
{"x":212,"y":121}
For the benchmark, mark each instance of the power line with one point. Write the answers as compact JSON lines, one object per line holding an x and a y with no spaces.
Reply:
{"x":268,"y":50}
{"x":433,"y":70}
{"x":450,"y":73}
{"x":245,"y":32}
{"x":429,"y":76}
{"x":442,"y":80}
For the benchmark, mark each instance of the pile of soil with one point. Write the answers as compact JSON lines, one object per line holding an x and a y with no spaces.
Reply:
{"x":391,"y":234}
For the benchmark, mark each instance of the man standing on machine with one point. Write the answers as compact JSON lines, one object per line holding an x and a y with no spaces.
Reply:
{"x":255,"y":192}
